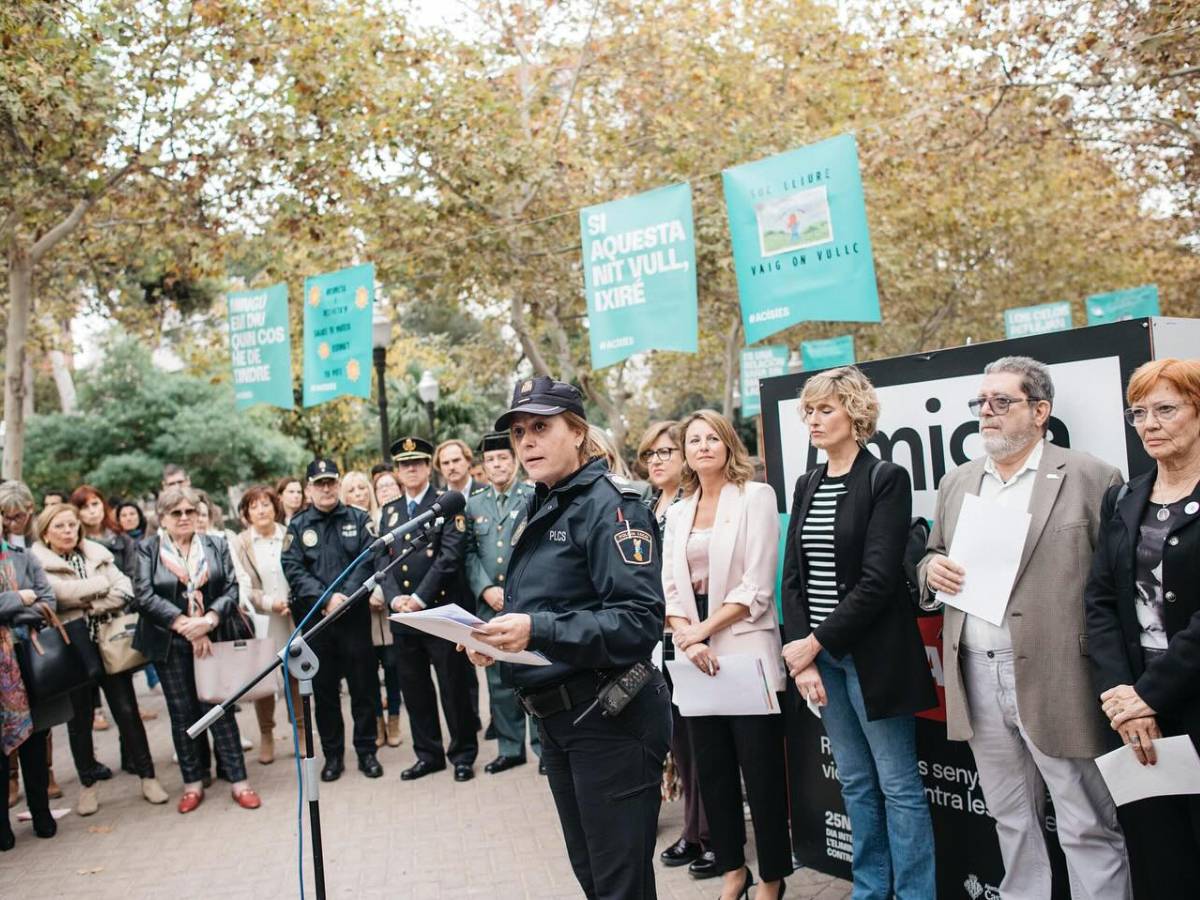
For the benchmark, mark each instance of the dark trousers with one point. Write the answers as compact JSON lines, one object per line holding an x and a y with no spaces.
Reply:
{"x":34,"y":769}
{"x":416,"y":654}
{"x":122,"y":702}
{"x":605,"y":775}
{"x":178,"y":675}
{"x":1162,"y":839}
{"x":345,"y":651}
{"x":695,"y":822}
{"x":754,"y":745}
{"x":391,"y":682}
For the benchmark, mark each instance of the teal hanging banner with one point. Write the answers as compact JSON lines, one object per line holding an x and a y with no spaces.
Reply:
{"x":1119,"y":305}
{"x":759,"y":363}
{"x":259,"y":347}
{"x":337,"y":334}
{"x":639,"y":274}
{"x":1026,"y":320}
{"x":838,"y":351}
{"x":801,"y":248}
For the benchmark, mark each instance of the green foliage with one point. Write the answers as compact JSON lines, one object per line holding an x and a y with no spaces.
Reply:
{"x":133,"y":419}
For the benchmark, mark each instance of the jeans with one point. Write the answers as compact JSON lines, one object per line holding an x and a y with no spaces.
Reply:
{"x":122,"y":701}
{"x":884,"y":795}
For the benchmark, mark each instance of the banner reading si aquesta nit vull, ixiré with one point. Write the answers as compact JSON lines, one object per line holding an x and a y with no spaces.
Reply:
{"x":639,"y":274}
{"x":259,"y":347}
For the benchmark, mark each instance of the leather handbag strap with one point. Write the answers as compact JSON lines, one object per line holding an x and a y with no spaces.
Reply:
{"x":52,"y":621}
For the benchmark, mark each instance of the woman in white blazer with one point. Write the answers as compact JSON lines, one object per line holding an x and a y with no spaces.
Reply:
{"x":720,"y":550}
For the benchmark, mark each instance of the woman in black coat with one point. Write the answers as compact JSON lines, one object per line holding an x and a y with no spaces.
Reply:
{"x":855,"y":647}
{"x":1143,"y":617}
{"x":185,"y":588}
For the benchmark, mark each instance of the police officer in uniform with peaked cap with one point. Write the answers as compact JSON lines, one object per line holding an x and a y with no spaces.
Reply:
{"x":584,"y":589}
{"x":494,"y":514}
{"x":321,"y":541}
{"x":431,"y":576}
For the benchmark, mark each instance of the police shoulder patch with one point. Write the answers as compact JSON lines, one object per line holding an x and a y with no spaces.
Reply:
{"x":635,"y":546}
{"x":460,"y":523}
{"x":309,"y":538}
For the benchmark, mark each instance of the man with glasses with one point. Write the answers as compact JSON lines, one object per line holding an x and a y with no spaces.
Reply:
{"x":493,"y":516}
{"x":1020,"y":692}
{"x":321,"y":541}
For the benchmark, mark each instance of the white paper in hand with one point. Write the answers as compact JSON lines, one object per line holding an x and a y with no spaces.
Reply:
{"x":1176,"y":772}
{"x":453,"y":623}
{"x":738,"y":689}
{"x":988,"y":542}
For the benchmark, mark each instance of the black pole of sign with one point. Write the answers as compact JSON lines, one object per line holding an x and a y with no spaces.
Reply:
{"x":380,"y":356}
{"x":302,"y":664}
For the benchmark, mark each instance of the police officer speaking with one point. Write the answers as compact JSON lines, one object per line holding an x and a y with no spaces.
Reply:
{"x":320,"y":542}
{"x":584,"y":589}
{"x":494,"y":515}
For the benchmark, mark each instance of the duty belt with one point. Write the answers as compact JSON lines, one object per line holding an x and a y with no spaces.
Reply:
{"x":546,"y":702}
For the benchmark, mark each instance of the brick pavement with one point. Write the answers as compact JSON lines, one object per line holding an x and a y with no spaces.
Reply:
{"x":494,"y":837}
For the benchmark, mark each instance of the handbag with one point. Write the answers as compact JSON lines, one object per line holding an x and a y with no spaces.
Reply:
{"x":236,"y":657}
{"x":114,"y":638}
{"x":57,"y":659}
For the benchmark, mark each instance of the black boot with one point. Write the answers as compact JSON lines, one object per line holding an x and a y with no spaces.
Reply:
{"x":44,"y":825}
{"x":7,"y":839}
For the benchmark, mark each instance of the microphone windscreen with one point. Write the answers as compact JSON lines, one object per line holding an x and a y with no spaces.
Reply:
{"x":452,"y":503}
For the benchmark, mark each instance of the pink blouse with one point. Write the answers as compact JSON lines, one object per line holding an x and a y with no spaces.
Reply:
{"x":697,"y":558}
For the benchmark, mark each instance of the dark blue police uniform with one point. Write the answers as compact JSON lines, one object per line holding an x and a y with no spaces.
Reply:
{"x":586,"y":570}
{"x":317,"y":547}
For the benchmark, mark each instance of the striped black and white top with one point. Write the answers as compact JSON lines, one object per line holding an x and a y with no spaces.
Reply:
{"x":816,"y":541}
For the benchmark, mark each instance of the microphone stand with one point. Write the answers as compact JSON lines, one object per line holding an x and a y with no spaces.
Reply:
{"x":302,"y":664}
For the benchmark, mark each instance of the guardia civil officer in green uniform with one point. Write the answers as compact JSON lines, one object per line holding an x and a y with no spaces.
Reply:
{"x":584,"y":589}
{"x":493,"y":516}
{"x":321,"y":541}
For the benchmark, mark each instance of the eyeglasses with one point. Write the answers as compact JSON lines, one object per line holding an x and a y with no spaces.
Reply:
{"x":662,"y":454}
{"x":183,"y":513}
{"x":1163,"y":412}
{"x":999,"y":405}
{"x":15,"y":515}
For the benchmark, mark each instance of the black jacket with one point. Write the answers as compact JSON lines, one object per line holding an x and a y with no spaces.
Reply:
{"x":874,"y":621}
{"x":317,"y":548}
{"x":587,"y":569}
{"x":123,"y":548}
{"x":437,"y":573}
{"x":1171,"y":685}
{"x":158,"y":594}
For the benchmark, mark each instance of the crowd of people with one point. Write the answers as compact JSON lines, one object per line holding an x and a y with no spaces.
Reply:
{"x":561,"y":551}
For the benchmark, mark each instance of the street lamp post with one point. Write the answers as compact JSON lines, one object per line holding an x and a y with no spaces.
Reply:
{"x":427,"y":390}
{"x":381,"y":336}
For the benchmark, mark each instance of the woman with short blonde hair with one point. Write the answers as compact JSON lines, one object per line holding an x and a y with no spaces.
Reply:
{"x":854,"y":391}
{"x":356,"y":491}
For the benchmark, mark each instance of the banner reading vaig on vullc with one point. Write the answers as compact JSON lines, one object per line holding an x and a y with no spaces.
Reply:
{"x":639,"y":274}
{"x":259,"y":347}
{"x":337,"y":334}
{"x":801,"y":248}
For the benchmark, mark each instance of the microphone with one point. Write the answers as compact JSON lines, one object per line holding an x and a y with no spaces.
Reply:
{"x":450,"y":503}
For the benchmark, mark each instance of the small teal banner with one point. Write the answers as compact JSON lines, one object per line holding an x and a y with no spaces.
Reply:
{"x":758,"y":363}
{"x":837,"y":351}
{"x":259,"y":347}
{"x":1026,"y":320}
{"x":801,"y":248}
{"x":639,"y":274}
{"x":337,"y":334}
{"x":1120,"y":305}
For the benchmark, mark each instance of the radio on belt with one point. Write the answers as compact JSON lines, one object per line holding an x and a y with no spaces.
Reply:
{"x":615,"y":695}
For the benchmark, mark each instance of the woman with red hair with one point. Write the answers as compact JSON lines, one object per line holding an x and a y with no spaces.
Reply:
{"x":100,"y":525}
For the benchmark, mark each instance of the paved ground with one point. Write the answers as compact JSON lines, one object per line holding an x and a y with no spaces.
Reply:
{"x":494,"y":837}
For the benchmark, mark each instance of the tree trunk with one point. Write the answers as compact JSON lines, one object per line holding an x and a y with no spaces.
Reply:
{"x":733,"y":344}
{"x":20,"y":288}
{"x":63,"y":381}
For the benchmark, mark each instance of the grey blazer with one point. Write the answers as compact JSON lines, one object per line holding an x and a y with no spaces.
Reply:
{"x":1055,"y":696}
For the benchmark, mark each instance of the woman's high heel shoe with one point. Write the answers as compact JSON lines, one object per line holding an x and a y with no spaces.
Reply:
{"x":746,"y":885}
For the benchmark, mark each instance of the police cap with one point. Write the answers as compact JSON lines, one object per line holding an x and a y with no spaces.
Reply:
{"x":322,"y":470}
{"x":412,"y":449}
{"x":542,"y":396}
{"x":495,"y":440}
